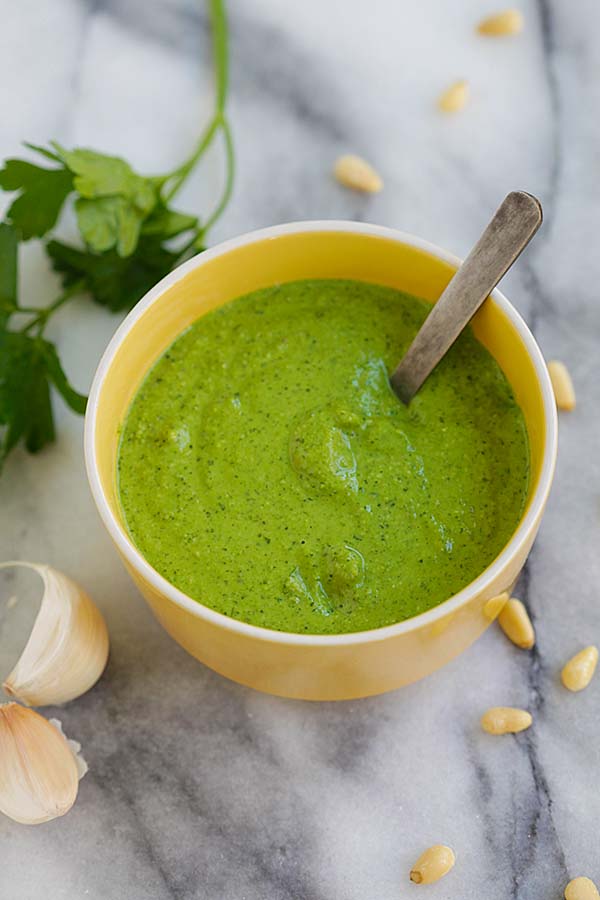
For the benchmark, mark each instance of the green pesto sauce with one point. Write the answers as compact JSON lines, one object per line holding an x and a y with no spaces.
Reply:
{"x":267,"y":470}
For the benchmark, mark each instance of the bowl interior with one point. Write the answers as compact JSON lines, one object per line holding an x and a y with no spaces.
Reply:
{"x":262,"y":260}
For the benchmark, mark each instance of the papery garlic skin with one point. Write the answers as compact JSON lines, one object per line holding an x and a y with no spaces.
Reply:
{"x":67,"y":649}
{"x":38,"y":772}
{"x":74,"y":747}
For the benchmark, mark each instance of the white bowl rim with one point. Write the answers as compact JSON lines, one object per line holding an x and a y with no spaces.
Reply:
{"x":135,"y":559}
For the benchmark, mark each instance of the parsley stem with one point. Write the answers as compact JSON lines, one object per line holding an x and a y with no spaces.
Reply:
{"x":219,"y":121}
{"x":43,"y":314}
{"x":230,"y":170}
{"x":200,"y":232}
{"x":180,"y":175}
{"x":220,"y":52}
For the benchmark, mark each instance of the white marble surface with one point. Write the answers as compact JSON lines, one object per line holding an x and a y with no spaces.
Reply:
{"x":199,"y":788}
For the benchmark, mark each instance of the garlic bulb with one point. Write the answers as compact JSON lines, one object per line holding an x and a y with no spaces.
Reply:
{"x":38,"y":772}
{"x":68,"y":646}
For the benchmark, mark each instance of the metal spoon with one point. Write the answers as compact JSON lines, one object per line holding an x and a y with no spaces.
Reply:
{"x":512,"y":227}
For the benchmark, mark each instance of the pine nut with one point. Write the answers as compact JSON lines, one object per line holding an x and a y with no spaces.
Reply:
{"x":505,"y":720}
{"x":562,"y":385}
{"x":515,"y":623}
{"x":495,"y":605}
{"x":579,"y":671}
{"x":356,"y":173}
{"x":581,"y":889}
{"x":454,"y":98}
{"x":508,"y":22}
{"x":433,"y":864}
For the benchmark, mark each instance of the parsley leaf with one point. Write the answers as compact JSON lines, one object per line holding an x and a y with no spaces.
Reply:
{"x":41,"y":198}
{"x":43,"y":151}
{"x":115,"y":204}
{"x":25,"y":408}
{"x":113,"y":200}
{"x":76,"y":401}
{"x":108,"y":221}
{"x":168,"y":223}
{"x":27,"y":367}
{"x":114,"y":281}
{"x":98,"y":175}
{"x":8,"y":272}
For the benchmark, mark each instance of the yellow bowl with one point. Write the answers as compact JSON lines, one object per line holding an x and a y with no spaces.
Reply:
{"x":315,"y":667}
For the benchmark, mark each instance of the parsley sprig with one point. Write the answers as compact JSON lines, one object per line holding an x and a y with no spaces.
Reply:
{"x":131,"y":236}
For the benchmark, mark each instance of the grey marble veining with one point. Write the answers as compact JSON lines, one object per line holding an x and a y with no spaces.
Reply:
{"x":200,"y":789}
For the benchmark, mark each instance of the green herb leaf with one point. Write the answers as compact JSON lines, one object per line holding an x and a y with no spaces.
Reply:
{"x":98,"y":175}
{"x":113,"y":200}
{"x":72,"y":398}
{"x":8,"y":272}
{"x":168,"y":223}
{"x":113,"y":281}
{"x":27,"y":367}
{"x":43,"y":151}
{"x":25,"y":408}
{"x":41,"y":198}
{"x":109,"y":221}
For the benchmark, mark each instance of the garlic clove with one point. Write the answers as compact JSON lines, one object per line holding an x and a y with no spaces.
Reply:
{"x":38,"y":773}
{"x":67,"y":649}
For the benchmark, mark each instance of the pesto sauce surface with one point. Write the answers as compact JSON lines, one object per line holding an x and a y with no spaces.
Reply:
{"x":267,"y":470}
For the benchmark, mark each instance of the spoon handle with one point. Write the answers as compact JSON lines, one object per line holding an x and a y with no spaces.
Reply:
{"x":512,"y":227}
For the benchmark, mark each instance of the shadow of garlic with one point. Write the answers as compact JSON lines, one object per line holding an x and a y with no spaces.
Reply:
{"x":65,"y":655}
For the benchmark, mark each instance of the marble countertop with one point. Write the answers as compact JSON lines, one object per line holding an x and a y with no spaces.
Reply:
{"x":199,"y":788}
